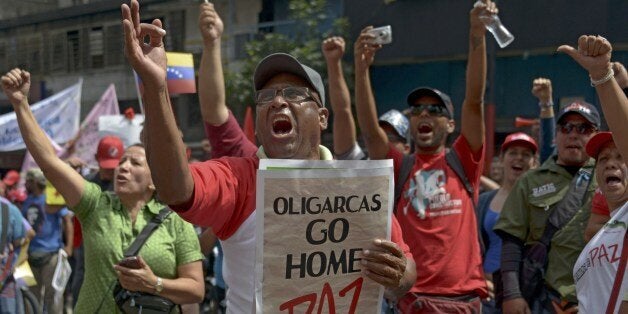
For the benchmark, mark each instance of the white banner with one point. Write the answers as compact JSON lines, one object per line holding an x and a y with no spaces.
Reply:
{"x":126,"y":129}
{"x":314,"y":220}
{"x":58,"y":115}
{"x":88,"y":137}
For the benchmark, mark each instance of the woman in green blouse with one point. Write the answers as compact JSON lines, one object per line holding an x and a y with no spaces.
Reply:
{"x":170,"y":260}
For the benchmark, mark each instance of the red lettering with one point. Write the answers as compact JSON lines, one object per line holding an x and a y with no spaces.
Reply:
{"x":296,"y":301}
{"x":593,"y":254}
{"x":331,"y":304}
{"x":327,"y":296}
{"x":603,"y":253}
{"x":616,"y":257}
{"x":357,"y":284}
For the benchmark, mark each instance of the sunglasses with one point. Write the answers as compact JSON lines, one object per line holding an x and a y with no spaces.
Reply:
{"x":582,"y":128}
{"x":293,"y":94}
{"x":436,"y":110}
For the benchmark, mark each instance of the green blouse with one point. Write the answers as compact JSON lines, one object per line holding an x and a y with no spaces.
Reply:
{"x":108,"y":231}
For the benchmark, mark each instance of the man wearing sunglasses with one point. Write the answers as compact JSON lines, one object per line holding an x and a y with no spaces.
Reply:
{"x":535,"y":195}
{"x":434,"y":210}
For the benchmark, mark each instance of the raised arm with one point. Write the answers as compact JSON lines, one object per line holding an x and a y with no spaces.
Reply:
{"x":16,"y":85}
{"x":374,"y":136}
{"x":472,"y":120}
{"x":542,"y":90}
{"x":165,"y":150}
{"x":344,"y":125}
{"x":594,"y":55}
{"x":211,"y":91}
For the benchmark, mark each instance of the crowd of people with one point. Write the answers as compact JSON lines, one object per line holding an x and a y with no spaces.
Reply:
{"x":547,"y":235}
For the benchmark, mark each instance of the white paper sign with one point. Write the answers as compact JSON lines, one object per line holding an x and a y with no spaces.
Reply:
{"x":314,"y":220}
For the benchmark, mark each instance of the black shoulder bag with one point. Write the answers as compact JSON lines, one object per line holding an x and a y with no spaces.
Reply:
{"x":534,"y":264}
{"x":130,"y":302}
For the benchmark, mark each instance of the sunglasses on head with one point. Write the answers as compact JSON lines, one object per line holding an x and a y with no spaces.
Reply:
{"x":293,"y":94}
{"x":436,"y":110}
{"x":581,"y":128}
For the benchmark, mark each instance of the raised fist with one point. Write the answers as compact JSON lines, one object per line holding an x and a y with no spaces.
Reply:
{"x":333,"y":48}
{"x":16,"y":85}
{"x":542,"y":89}
{"x":210,"y":24}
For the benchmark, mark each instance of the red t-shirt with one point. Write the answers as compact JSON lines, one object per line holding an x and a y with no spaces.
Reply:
{"x":439,"y":224}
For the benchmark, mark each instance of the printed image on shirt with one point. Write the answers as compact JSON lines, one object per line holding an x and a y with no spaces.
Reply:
{"x":427,"y":190}
{"x":35,"y":217}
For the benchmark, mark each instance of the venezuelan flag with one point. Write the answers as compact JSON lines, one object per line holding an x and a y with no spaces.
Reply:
{"x":180,"y":73}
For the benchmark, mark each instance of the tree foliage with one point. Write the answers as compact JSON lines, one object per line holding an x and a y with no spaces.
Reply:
{"x":309,"y":23}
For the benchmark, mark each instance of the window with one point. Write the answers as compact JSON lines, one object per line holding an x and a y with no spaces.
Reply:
{"x":96,"y":48}
{"x":114,"y":43}
{"x":57,"y":57}
{"x":74,"y":52}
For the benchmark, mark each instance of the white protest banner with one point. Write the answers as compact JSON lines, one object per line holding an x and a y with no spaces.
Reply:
{"x":128,"y":130}
{"x":86,"y":141}
{"x":58,"y":115}
{"x":314,"y":220}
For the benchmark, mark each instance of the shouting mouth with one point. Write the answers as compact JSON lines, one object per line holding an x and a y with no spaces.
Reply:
{"x":282,"y":126}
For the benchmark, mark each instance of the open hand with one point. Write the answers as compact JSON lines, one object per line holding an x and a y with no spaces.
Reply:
{"x":210,"y":24}
{"x":16,"y":85}
{"x":147,"y":59}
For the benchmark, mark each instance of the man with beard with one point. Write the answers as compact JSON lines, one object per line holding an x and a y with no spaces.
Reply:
{"x":220,"y":193}
{"x":527,"y":208}
{"x":435,"y":212}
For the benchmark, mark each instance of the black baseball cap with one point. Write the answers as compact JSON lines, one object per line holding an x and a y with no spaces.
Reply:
{"x":429,"y":91}
{"x":586,"y":110}
{"x":284,"y":63}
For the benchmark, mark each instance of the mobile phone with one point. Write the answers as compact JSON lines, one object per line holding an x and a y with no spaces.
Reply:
{"x":130,"y":262}
{"x":383,"y":35}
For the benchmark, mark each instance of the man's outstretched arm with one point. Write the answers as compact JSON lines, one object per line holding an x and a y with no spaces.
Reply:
{"x":165,"y":150}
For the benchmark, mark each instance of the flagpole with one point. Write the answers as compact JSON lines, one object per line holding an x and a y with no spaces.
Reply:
{"x":137,"y":89}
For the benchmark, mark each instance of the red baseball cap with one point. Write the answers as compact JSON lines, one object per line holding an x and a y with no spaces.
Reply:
{"x":16,"y":195}
{"x":597,"y":141}
{"x":109,"y":153}
{"x":11,"y":177}
{"x":520,"y":138}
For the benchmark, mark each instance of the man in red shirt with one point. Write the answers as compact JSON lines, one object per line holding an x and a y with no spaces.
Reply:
{"x":435,"y":211}
{"x":220,"y":193}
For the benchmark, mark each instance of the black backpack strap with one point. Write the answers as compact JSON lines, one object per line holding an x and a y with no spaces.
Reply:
{"x":147,"y":231}
{"x":568,"y":206}
{"x":404,"y":172}
{"x":453,"y":160}
{"x":5,"y":226}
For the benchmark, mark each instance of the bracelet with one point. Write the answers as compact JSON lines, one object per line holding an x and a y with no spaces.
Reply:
{"x":603,"y":80}
{"x":546,"y":105}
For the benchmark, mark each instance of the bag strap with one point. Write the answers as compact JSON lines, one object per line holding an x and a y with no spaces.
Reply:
{"x":454,"y":162}
{"x":404,"y":172}
{"x":147,"y":231}
{"x":568,"y":206}
{"x":456,"y":165}
{"x":619,"y":277}
{"x":3,"y":244}
{"x":5,"y":225}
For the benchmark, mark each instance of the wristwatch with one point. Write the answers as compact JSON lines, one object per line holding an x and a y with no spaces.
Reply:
{"x":159,"y":286}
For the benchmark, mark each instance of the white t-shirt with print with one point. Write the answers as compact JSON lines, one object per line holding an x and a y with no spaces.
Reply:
{"x":596,"y":267}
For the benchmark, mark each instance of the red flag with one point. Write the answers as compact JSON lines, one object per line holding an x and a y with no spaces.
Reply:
{"x":249,"y":125}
